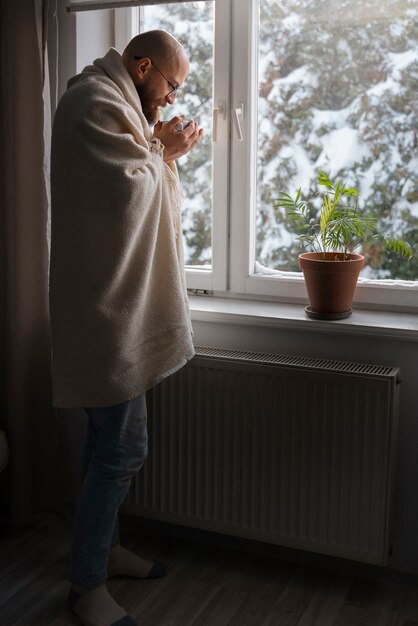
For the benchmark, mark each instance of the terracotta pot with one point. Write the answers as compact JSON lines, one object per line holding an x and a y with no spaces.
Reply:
{"x":330,"y":282}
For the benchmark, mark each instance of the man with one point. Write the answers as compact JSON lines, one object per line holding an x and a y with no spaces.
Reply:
{"x":119,"y":310}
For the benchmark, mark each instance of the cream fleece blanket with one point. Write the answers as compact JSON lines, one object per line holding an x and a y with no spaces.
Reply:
{"x":119,"y":310}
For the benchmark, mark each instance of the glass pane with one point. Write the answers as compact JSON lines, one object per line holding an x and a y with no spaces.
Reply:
{"x":192,"y":24}
{"x":338,"y":92}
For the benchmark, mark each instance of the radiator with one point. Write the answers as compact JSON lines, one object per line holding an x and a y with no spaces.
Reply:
{"x":291,"y":451}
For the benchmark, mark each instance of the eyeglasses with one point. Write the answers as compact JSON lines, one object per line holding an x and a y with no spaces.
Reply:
{"x":175,"y":89}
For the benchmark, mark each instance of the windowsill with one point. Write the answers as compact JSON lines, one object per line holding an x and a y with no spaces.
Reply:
{"x":277,"y":314}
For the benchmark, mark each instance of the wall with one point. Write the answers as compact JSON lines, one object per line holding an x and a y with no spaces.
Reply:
{"x":95,"y":35}
{"x":84,"y":36}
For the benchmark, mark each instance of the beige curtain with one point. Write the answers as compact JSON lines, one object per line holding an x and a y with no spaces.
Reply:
{"x":29,"y":483}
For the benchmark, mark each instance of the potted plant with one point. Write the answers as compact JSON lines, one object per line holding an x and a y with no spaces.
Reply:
{"x":331,"y":268}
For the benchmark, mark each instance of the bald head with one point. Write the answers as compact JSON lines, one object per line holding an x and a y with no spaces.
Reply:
{"x":158,"y":45}
{"x":158,"y":65}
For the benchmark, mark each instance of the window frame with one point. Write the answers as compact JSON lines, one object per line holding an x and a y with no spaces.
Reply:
{"x":234,"y":175}
{"x":215,"y":276}
{"x":284,"y":286}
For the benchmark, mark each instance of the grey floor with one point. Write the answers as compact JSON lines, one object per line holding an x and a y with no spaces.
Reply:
{"x":207,"y":585}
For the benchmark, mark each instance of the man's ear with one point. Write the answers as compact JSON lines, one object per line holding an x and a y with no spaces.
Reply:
{"x":143,"y":66}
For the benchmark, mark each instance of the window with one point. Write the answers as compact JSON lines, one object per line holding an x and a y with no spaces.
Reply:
{"x":309,"y":88}
{"x":335,"y":92}
{"x":204,"y":172}
{"x":193,"y":24}
{"x":283,"y":88}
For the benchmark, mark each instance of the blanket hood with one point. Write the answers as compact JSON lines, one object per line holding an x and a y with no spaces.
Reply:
{"x":111,"y":68}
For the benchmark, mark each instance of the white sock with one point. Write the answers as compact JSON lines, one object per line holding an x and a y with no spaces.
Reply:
{"x":96,"y":607}
{"x":122,"y":562}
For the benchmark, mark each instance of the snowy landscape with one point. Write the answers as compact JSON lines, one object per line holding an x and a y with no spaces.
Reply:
{"x":337,"y":91}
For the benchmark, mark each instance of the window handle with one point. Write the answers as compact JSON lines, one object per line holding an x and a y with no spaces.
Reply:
{"x":216,"y":112}
{"x":238,"y":114}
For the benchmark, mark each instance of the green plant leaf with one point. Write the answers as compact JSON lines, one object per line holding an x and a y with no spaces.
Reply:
{"x":327,"y":211}
{"x":350,"y":191}
{"x":324,"y":180}
{"x":341,"y":228}
{"x":399,"y":246}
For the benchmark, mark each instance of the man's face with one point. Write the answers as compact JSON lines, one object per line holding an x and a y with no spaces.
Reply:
{"x":156,"y":88}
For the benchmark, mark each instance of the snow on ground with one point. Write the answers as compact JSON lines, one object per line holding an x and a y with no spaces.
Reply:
{"x":369,"y":176}
{"x":279,"y":238}
{"x":403,"y":204}
{"x":341,"y":148}
{"x":292,"y":23}
{"x":264,"y":62}
{"x":388,"y":85}
{"x":305,"y":168}
{"x":401,"y":60}
{"x":301,"y":76}
{"x":413,"y":165}
{"x":396,"y":30}
{"x":330,"y":118}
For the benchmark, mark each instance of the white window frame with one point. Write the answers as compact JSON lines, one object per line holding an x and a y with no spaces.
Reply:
{"x":216,"y":278}
{"x":283,"y":286}
{"x":125,"y":25}
{"x":234,"y":174}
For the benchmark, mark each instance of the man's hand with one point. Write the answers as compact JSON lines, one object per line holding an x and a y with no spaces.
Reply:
{"x":177,"y":142}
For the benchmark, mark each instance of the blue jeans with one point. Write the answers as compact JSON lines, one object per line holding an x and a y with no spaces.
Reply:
{"x":116,"y":448}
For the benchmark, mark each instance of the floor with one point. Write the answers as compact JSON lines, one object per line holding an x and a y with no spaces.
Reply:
{"x":207,"y":585}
